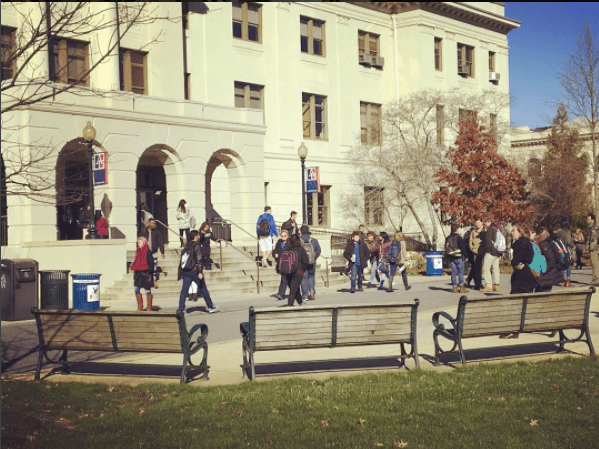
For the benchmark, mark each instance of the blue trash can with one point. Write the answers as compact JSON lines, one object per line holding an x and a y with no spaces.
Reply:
{"x":434,"y":263}
{"x":86,"y":291}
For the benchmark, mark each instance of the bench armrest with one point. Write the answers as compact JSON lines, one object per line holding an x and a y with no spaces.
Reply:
{"x":201,"y":339}
{"x":450,"y":334}
{"x":244,"y":328}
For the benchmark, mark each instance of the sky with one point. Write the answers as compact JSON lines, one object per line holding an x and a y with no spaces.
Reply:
{"x":538,"y":51}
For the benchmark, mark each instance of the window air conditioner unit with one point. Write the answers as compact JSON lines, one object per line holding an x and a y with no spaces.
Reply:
{"x":365,"y":59}
{"x":493,"y":76}
{"x":463,"y":70}
{"x":378,"y":61}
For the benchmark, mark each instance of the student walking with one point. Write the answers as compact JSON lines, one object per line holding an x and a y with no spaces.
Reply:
{"x":291,"y":225}
{"x":476,"y":255}
{"x":397,"y":259}
{"x":382,"y":246}
{"x":374,"y":258}
{"x":292,"y":264}
{"x":279,"y":248}
{"x":184,"y":217}
{"x":455,"y":251}
{"x":156,"y":242}
{"x":593,"y":245}
{"x":312,"y":248}
{"x":143,"y":270}
{"x":494,"y":249}
{"x":205,"y":237}
{"x":266,"y":229}
{"x":356,"y":253}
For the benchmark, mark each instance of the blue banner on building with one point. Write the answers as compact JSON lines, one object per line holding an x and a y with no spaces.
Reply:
{"x":312,"y":180}
{"x":100,"y":169}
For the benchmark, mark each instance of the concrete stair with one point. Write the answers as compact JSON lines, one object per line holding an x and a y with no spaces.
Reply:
{"x":238,"y":275}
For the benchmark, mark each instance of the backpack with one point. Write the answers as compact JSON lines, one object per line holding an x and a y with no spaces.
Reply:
{"x":451,"y":246}
{"x":538,"y":265}
{"x":188,"y":258}
{"x":499,"y":242}
{"x":309,"y":252}
{"x":263,"y":227}
{"x":395,"y":252}
{"x":562,"y":255}
{"x":288,"y":262}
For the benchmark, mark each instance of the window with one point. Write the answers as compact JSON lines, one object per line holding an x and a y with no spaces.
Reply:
{"x":314,"y":116}
{"x":373,"y":206}
{"x":438,"y":53}
{"x":134,"y":71}
{"x":440,"y":125}
{"x":491,"y":61}
{"x":249,"y":96}
{"x":370,"y":123}
{"x":8,"y":49}
{"x":247,"y":18}
{"x":317,"y":205}
{"x":312,"y":36}
{"x":368,"y":43}
{"x":71,"y":61}
{"x":465,"y":60}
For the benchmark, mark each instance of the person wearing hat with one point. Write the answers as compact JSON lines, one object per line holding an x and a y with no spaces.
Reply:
{"x":491,"y":257}
{"x":309,"y":280}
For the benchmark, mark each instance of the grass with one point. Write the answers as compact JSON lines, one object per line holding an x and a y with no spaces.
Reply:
{"x":547,"y":404}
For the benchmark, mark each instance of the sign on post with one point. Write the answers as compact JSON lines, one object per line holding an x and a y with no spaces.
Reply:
{"x":100,"y":169}
{"x":312,"y":180}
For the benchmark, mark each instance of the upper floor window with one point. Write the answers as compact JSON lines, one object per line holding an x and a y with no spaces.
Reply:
{"x":134,"y":71}
{"x":312,"y":36}
{"x":314,"y":116}
{"x":249,"y":96}
{"x":438,"y":53}
{"x":492,"y":61}
{"x":370,"y":123}
{"x":8,"y":51}
{"x":369,"y":49}
{"x":465,"y":60}
{"x":247,"y":18}
{"x":373,"y":206}
{"x":71,"y":62}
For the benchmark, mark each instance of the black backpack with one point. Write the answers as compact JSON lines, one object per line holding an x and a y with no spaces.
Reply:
{"x":263,"y":227}
{"x":288,"y":262}
{"x":188,"y":258}
{"x":562,"y":255}
{"x":452,"y":248}
{"x":395,"y":252}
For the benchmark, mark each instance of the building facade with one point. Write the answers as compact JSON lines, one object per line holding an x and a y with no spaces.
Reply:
{"x":214,"y":110}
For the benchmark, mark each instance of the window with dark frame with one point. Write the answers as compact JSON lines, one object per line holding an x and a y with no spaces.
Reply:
{"x":438,"y":54}
{"x":312,"y":36}
{"x":317,"y":205}
{"x":314,"y":116}
{"x":134,"y":71}
{"x":373,"y":206}
{"x":71,"y":61}
{"x":8,"y":49}
{"x":465,"y":60}
{"x":247,"y":20}
{"x":249,"y":95}
{"x":491,"y":61}
{"x":370,"y":123}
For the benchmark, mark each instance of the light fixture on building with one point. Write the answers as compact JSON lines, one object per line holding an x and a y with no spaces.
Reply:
{"x":89,"y":135}
{"x":302,"y":152}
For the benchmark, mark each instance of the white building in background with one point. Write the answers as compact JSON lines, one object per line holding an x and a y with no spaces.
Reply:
{"x":215,"y":111}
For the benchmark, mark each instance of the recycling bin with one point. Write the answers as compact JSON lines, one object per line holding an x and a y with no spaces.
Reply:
{"x":86,"y":291}
{"x":54,"y":289}
{"x":19,"y":287}
{"x":434,"y":263}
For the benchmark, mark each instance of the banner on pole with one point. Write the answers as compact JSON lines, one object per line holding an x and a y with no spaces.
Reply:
{"x":312,"y":180}
{"x":100,"y":169}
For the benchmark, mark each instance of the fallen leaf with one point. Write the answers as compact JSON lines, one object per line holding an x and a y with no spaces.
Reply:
{"x":271,"y":441}
{"x":223,"y":403}
{"x":238,"y":413}
{"x":274,"y":410}
{"x":377,"y":444}
{"x":244,"y":399}
{"x":308,"y":407}
{"x":400,"y":444}
{"x":110,"y":389}
{"x":324,"y":423}
{"x":47,"y":411}
{"x":309,"y":399}
{"x":534,"y":422}
{"x":335,"y":407}
{"x":360,"y":421}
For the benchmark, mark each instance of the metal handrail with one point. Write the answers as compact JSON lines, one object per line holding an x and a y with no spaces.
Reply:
{"x":167,"y":228}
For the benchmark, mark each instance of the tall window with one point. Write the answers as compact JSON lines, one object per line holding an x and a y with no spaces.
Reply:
{"x":318,"y":207}
{"x":134,"y":71}
{"x":8,"y":50}
{"x":465,"y":60}
{"x":368,"y":43}
{"x":373,"y":206}
{"x":247,"y":18}
{"x":312,"y":36}
{"x":440,"y":125}
{"x":370,"y":123}
{"x":249,"y":96}
{"x":314,"y":116}
{"x":438,"y":53}
{"x":491,"y":61}
{"x":71,"y":61}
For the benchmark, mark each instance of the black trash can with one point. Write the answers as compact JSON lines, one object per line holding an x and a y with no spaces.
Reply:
{"x":19,"y":289}
{"x":54,"y":289}
{"x":86,"y":291}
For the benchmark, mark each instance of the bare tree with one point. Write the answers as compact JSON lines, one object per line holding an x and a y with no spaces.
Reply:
{"x":37,"y":66}
{"x":412,"y":149}
{"x":580,"y":79}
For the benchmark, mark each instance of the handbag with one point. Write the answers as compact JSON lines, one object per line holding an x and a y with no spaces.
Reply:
{"x":192,"y":222}
{"x":384,"y":266}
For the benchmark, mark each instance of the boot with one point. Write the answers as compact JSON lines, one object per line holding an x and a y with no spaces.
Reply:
{"x":486,"y":289}
{"x":140,"y":302}
{"x":568,"y":283}
{"x":463,"y":289}
{"x":149,"y":298}
{"x":495,"y":287}
{"x":390,"y":289}
{"x":405,"y":283}
{"x":456,"y":289}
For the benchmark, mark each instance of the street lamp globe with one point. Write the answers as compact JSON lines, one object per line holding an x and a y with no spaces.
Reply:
{"x":89,"y":132}
{"x":302,"y":151}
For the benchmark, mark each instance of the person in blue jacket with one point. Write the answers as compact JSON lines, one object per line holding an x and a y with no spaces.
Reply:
{"x":265,"y":230}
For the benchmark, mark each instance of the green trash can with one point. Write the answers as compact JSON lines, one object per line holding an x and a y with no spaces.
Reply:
{"x":54,"y":288}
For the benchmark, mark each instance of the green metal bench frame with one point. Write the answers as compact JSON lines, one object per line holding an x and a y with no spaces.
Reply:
{"x":188,"y":347}
{"x":248,"y":333}
{"x":454,"y":334}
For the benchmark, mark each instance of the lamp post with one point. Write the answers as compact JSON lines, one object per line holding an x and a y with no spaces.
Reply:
{"x":89,"y":135}
{"x":302,"y":152}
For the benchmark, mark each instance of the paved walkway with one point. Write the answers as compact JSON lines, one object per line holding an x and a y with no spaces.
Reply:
{"x":225,"y":355}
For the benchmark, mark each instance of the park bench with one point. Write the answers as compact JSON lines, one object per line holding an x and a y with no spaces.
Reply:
{"x":515,"y":314}
{"x":67,"y":330}
{"x":281,"y":328}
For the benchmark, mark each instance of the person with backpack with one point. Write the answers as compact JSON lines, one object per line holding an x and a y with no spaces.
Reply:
{"x":374,"y":258}
{"x":356,"y":253}
{"x":143,"y":271}
{"x":312,"y":249}
{"x":279,"y":247}
{"x":291,"y":225}
{"x":494,"y":248}
{"x":553,"y":275}
{"x":456,"y":251}
{"x":566,"y":248}
{"x":292,"y":264}
{"x":382,"y":246}
{"x":397,"y":258}
{"x":265,"y":230}
{"x":190,"y":270}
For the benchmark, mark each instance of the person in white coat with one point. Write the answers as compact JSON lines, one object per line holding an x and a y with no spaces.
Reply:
{"x":185,"y":218}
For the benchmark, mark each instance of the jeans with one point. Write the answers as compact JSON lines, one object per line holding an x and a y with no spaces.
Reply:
{"x":568,"y":272}
{"x":309,"y":283}
{"x":457,"y":271}
{"x":356,"y":273}
{"x":186,"y":232}
{"x":491,"y":262}
{"x":188,"y":278}
{"x":373,"y":271}
{"x":282,"y":286}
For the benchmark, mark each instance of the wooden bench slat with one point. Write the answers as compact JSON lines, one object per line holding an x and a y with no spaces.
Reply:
{"x":292,"y":330}
{"x":494,"y":307}
{"x":557,"y":298}
{"x":377,"y":312}
{"x":555,"y":319}
{"x":486,"y":316}
{"x":397,"y":338}
{"x":292,"y":337}
{"x":293,"y":313}
{"x":290,"y":342}
{"x":552,"y":326}
{"x":151,"y":328}
{"x":151,"y":346}
{"x":73,"y":319}
{"x":124,"y":337}
{"x":74,"y":344}
{"x":491,"y":329}
{"x":141,"y":318}
{"x":565,"y":306}
{"x":374,"y":325}
{"x":374,"y":317}
{"x":542,"y":314}
{"x":292,"y":320}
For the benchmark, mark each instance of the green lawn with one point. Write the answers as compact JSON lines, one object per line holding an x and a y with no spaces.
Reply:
{"x":548,"y":404}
